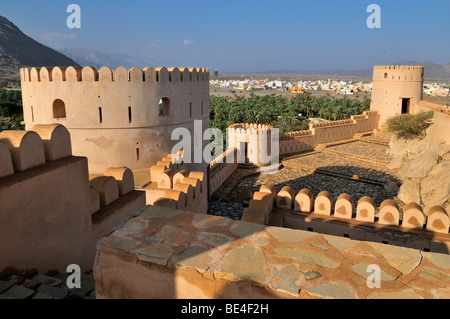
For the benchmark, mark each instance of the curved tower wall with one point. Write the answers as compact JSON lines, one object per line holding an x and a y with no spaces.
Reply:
{"x":115,"y":117}
{"x":396,"y":90}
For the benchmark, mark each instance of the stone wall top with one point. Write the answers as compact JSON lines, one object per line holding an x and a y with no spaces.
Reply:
{"x":215,"y":257}
{"x":120,"y":74}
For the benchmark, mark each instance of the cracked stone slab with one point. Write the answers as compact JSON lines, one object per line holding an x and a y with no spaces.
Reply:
{"x":244,"y":263}
{"x":124,"y":244}
{"x":171,"y":234}
{"x":402,"y":294}
{"x":207,"y":221}
{"x":440,"y":260}
{"x":308,"y":257}
{"x":340,"y":243}
{"x":330,"y":290}
{"x":361,"y":269}
{"x":155,"y":253}
{"x":133,"y":226}
{"x":261,"y":240}
{"x":311,"y":275}
{"x":245,"y":229}
{"x":198,"y":257}
{"x":290,"y":236}
{"x":215,"y":239}
{"x":403,"y":259}
{"x":287,"y":279}
{"x":433,"y":274}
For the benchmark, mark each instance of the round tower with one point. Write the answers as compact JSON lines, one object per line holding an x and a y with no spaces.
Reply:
{"x":396,"y":90}
{"x":118,"y":117}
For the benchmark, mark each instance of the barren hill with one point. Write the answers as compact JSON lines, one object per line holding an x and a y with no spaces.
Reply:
{"x":19,"y":50}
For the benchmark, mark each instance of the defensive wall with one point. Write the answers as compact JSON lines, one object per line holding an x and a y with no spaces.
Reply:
{"x":362,"y":220}
{"x":440,"y":124}
{"x":221,"y":168}
{"x":52,"y":211}
{"x":244,"y":139}
{"x":119,"y":117}
{"x":174,"y":186}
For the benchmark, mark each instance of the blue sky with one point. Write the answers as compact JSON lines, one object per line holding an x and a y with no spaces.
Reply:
{"x":244,"y":36}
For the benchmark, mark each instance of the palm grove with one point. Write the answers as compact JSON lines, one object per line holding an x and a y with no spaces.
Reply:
{"x":291,"y":113}
{"x":11,"y":112}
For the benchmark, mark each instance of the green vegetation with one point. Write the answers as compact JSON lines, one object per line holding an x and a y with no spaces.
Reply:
{"x":409,"y":126}
{"x":286,"y":113}
{"x":11,"y":111}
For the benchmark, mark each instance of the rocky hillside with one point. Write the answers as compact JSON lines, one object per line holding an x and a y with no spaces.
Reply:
{"x":19,"y":50}
{"x":425,"y":172}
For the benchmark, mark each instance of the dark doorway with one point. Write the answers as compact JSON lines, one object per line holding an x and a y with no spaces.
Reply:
{"x":405,"y":106}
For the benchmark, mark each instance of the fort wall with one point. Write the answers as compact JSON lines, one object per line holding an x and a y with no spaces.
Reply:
{"x":362,"y":220}
{"x":173,"y":185}
{"x":118,"y":117}
{"x":52,"y":212}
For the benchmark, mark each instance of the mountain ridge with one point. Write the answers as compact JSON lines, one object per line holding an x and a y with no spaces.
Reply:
{"x":432,"y":71}
{"x":18,"y":50}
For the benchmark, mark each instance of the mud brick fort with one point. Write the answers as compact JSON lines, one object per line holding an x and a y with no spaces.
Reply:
{"x":92,"y":181}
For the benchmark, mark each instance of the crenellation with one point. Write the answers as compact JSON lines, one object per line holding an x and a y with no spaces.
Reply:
{"x":107,"y":186}
{"x":56,"y":139}
{"x":438,"y":220}
{"x":413,"y":218}
{"x":26,"y":148}
{"x":344,"y":206}
{"x":389,"y":213}
{"x":6,"y":163}
{"x":120,"y":74}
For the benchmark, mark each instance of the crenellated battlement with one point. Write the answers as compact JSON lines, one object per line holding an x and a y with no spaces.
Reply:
{"x":432,"y":225}
{"x":399,"y":67}
{"x":121,"y":74}
{"x":24,"y":150}
{"x":114,"y":115}
{"x":398,"y":73}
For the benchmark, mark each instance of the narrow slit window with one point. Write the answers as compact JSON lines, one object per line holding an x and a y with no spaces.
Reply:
{"x":32,"y":114}
{"x":202,"y":109}
{"x":138,"y":155}
{"x":130,"y":118}
{"x":190,"y":110}
{"x":100,"y":115}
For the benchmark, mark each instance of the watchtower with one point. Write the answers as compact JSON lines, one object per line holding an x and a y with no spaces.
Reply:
{"x":396,"y":90}
{"x":118,"y":117}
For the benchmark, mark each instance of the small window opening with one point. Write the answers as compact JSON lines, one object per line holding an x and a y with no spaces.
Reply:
{"x":129,"y":115}
{"x":164,"y":107}
{"x":59,"y":109}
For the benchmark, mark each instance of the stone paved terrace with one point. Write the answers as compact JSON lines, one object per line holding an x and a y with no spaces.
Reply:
{"x":31,"y":285}
{"x":334,"y":169}
{"x":362,"y":148}
{"x":166,"y":253}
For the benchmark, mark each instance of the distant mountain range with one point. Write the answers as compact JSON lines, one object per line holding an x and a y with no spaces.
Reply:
{"x":19,"y":50}
{"x":98,"y":59}
{"x":432,"y":71}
